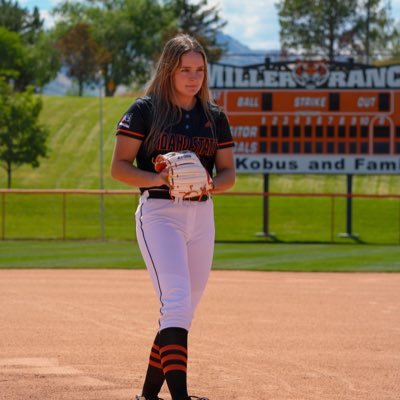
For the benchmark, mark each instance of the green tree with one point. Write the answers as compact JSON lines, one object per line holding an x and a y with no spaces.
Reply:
{"x":374,"y":29}
{"x":41,"y":58}
{"x":12,"y":16}
{"x":395,"y":44}
{"x":131,"y":35}
{"x":22,"y":138}
{"x":17,"y":19}
{"x":128,"y":33}
{"x":200,"y":20}
{"x":12,"y":54}
{"x":331,"y":27}
{"x":80,"y":54}
{"x":43,"y":62}
{"x":315,"y":26}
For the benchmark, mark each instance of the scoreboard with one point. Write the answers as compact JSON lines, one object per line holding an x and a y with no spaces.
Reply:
{"x":312,"y":116}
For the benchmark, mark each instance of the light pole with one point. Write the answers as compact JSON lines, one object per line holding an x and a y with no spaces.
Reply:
{"x":101,"y":154}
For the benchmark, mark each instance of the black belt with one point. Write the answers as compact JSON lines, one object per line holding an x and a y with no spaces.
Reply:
{"x":163,"y":194}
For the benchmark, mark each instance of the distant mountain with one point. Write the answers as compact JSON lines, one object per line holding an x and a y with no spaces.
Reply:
{"x":63,"y":85}
{"x":240,"y":54}
{"x":237,"y":54}
{"x":232,"y":45}
{"x":60,"y":86}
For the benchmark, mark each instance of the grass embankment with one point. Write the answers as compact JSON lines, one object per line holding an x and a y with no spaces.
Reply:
{"x":73,"y":162}
{"x":73,"y":159}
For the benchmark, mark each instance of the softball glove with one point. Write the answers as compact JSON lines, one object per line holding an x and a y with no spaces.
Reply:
{"x":187,"y":178}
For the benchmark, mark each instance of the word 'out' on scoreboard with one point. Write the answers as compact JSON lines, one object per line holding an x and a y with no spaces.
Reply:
{"x":311,"y":116}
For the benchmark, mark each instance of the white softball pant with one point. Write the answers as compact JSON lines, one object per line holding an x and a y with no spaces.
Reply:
{"x":176,"y":240}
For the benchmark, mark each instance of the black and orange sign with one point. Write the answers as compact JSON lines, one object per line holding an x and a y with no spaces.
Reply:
{"x":312,"y":116}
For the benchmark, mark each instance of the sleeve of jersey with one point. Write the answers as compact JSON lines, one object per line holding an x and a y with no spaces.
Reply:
{"x":224,"y":133}
{"x":133,"y":124}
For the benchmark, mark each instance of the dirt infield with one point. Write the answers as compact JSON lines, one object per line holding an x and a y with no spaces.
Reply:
{"x":86,"y":335}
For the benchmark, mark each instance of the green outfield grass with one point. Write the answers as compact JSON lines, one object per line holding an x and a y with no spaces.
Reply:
{"x":73,"y":163}
{"x":238,"y":218}
{"x":228,"y":256}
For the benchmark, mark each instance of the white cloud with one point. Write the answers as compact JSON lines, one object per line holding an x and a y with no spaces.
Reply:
{"x":254,"y":30}
{"x":396,"y":9}
{"x":49,"y":19}
{"x":252,"y":22}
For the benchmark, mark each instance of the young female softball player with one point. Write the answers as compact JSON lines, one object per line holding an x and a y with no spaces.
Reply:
{"x":176,"y":238}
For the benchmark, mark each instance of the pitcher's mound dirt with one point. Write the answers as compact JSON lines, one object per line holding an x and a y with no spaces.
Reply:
{"x":86,"y":335}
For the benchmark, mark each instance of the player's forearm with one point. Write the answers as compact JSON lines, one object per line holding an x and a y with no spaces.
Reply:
{"x":224,"y":180}
{"x":125,"y":172}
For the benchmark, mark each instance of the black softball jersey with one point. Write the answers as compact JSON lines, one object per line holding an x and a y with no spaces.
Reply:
{"x":193,"y":132}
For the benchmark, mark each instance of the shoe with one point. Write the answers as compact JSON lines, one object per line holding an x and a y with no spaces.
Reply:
{"x":144,"y":398}
{"x":197,"y":398}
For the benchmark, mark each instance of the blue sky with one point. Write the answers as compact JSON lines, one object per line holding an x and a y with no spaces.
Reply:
{"x":252,"y":22}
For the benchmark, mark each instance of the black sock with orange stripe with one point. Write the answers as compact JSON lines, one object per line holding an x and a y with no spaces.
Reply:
{"x":173,"y":352}
{"x":155,"y":375}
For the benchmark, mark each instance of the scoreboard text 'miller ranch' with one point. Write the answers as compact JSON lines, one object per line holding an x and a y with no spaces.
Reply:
{"x":312,"y":116}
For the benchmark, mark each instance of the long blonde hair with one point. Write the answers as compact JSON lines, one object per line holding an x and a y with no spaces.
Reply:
{"x":162,"y":91}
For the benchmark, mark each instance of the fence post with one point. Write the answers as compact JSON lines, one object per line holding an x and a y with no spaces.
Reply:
{"x":64,"y":214}
{"x":349,"y":210}
{"x":332,"y":218}
{"x":266,"y":232}
{"x":102,"y":235}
